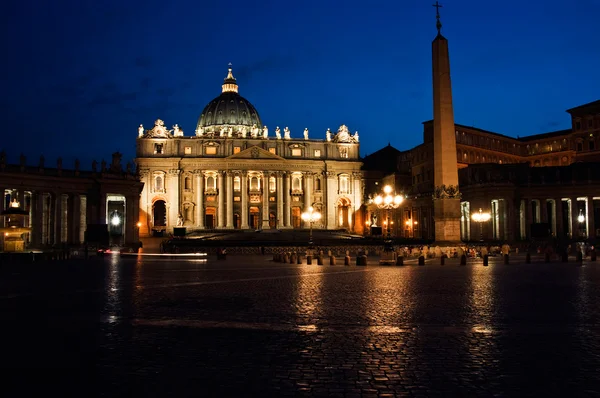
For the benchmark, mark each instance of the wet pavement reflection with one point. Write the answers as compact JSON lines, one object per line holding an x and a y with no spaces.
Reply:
{"x":248,"y":326}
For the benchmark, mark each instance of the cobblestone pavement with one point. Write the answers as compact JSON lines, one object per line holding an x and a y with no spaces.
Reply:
{"x":248,"y":326}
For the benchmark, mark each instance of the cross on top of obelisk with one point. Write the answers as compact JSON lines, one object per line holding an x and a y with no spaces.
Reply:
{"x":438,"y":24}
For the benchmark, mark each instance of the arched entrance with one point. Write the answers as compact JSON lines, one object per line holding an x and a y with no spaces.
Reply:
{"x":159,"y":215}
{"x":237,"y":221}
{"x":272,"y":220}
{"x":343,"y":211}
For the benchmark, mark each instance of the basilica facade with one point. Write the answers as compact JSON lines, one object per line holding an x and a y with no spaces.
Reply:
{"x":232,"y":174}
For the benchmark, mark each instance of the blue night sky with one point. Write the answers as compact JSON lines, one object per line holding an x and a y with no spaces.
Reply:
{"x":79,"y":76}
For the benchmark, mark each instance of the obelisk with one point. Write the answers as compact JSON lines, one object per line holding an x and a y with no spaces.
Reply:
{"x":446,"y":197}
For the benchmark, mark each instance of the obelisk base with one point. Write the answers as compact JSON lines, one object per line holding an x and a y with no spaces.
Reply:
{"x":446,"y":213}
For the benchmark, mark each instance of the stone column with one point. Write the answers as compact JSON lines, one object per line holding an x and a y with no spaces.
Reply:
{"x":36,"y":219}
{"x":173,"y":197}
{"x":244,"y":193}
{"x":543,"y":210}
{"x":200,"y":200}
{"x":528,"y":218}
{"x":560,"y":223}
{"x":307,"y":190}
{"x":279,"y":187}
{"x":265,"y":198}
{"x":132,"y":208}
{"x":288,"y":200}
{"x":590,"y":217}
{"x":574,"y":222}
{"x":331,"y":195}
{"x":229,"y":190}
{"x":58,"y":218}
{"x":74,"y":219}
{"x":221,"y":209}
{"x":101,"y":216}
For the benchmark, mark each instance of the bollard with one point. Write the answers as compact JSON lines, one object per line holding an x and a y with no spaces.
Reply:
{"x":400,"y":260}
{"x":463,"y":260}
{"x":331,"y":260}
{"x":293,"y":258}
{"x":347,"y":260}
{"x":506,"y":259}
{"x":547,"y":257}
{"x":485,"y":260}
{"x":528,"y":258}
{"x":309,"y":259}
{"x":299,"y":259}
{"x":320,"y":259}
{"x":361,"y":260}
{"x":421,"y":260}
{"x":593,"y":255}
{"x":565,"y":257}
{"x":578,"y":257}
{"x":443,"y":259}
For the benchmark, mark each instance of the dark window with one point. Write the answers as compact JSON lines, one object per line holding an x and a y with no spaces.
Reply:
{"x":577,"y":125}
{"x":592,"y":145}
{"x":580,"y":146}
{"x":158,"y":149}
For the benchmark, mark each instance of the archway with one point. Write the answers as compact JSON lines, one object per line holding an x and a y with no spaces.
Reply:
{"x":159,"y":214}
{"x":343,"y":211}
{"x":254,"y":217}
{"x":209,"y":217}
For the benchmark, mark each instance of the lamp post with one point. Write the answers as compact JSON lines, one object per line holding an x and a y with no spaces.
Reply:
{"x":480,"y":218}
{"x":387,"y":202}
{"x":311,"y":216}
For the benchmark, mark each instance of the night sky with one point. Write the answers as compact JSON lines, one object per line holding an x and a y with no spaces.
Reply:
{"x":79,"y":76}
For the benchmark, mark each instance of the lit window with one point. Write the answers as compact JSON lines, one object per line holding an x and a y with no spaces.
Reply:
{"x":272,"y":150}
{"x":237,"y":183}
{"x":317,"y":153}
{"x":343,"y":184}
{"x":158,"y":183}
{"x":296,"y":152}
{"x":211,"y":183}
{"x":211,"y":150}
{"x":296,"y":183}
{"x":236,"y":149}
{"x":188,"y":150}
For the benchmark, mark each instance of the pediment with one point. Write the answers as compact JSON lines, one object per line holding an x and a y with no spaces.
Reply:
{"x":255,"y":152}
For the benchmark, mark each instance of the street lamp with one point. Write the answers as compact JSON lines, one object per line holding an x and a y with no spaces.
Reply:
{"x":480,"y":218}
{"x":311,"y":216}
{"x":387,"y":202}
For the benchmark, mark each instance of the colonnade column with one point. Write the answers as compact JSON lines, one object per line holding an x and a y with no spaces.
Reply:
{"x":3,"y":193}
{"x":36,"y":218}
{"x":574,"y":222}
{"x":330,"y":184}
{"x":528,"y":218}
{"x":558,"y":213}
{"x":200,"y":200}
{"x":265,"y":198}
{"x":221,"y":210}
{"x":307,"y":190}
{"x":58,"y":213}
{"x":279,"y":187}
{"x":173,"y":195}
{"x":244,"y":187}
{"x":229,"y":190}
{"x":131,"y":216}
{"x":288,"y":199}
{"x":73,"y":218}
{"x":590,"y":217}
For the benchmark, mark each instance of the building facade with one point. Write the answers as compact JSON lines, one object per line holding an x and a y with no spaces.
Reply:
{"x":232,"y":175}
{"x":534,"y":186}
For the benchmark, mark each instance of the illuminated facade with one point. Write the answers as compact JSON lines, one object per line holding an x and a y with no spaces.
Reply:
{"x":59,"y":203}
{"x":534,"y":186}
{"x":231,"y":175}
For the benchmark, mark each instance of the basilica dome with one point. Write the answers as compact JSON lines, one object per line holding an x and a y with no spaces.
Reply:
{"x":228,"y":110}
